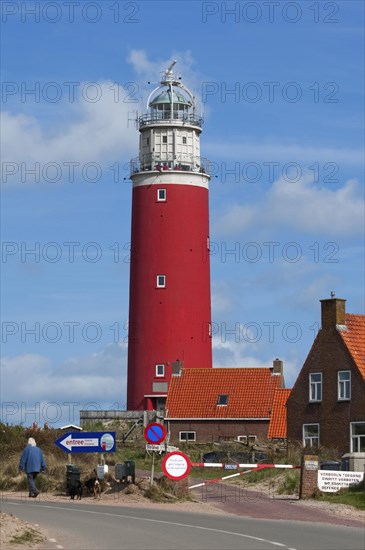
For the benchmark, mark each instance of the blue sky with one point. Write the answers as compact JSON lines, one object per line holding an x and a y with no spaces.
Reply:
{"x":281,"y":89}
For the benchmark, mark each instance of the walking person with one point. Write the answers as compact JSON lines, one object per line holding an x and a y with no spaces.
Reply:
{"x":32,"y":462}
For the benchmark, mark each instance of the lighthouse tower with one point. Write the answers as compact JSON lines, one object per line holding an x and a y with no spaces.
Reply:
{"x":169,"y":308}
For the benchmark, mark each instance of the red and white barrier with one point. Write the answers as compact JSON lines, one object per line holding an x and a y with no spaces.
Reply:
{"x":252,"y":467}
{"x":234,"y":466}
{"x":219,"y":479}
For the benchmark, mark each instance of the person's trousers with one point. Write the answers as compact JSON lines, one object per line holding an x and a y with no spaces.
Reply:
{"x":31,"y":476}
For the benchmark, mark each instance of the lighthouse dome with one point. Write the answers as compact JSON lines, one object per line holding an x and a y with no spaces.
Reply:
{"x":170,"y":96}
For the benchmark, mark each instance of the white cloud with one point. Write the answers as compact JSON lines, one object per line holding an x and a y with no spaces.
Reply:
{"x":31,"y":382}
{"x":100,"y":131}
{"x":233,"y":354}
{"x":222,"y":297}
{"x":283,"y":152}
{"x":303,"y":206}
{"x":230,"y":354}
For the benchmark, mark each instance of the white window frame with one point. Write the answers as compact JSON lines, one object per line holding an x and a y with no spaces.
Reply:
{"x":161,"y":195}
{"x":187,"y":440}
{"x":315,"y":388}
{"x":159,"y":284}
{"x":311,"y":439}
{"x":355,"y":440}
{"x":222,"y":404}
{"x":159,"y":375}
{"x":344,"y":386}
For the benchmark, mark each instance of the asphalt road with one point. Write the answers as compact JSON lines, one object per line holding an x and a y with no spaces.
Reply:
{"x":237,"y":500}
{"x":82,"y":526}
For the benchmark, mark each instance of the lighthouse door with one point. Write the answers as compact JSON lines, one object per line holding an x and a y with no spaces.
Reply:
{"x":160,"y":403}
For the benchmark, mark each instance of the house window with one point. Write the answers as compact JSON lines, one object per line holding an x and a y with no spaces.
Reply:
{"x":184,"y":140}
{"x":161,"y":195}
{"x":344,"y":385}
{"x":164,"y":139}
{"x":187,"y":436}
{"x":160,"y":370}
{"x":357,"y":430}
{"x":222,"y":399}
{"x":161,"y":281}
{"x":252,"y":439}
{"x":315,"y":386}
{"x":311,"y":435}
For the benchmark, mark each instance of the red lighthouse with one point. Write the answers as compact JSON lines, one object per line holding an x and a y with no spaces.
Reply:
{"x":169,"y":307}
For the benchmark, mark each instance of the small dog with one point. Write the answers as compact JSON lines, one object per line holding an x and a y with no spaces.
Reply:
{"x":75,"y":491}
{"x":97,"y":489}
{"x":93,"y":486}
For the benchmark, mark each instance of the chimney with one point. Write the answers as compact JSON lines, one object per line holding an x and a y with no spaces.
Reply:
{"x":333,"y":312}
{"x":278,"y":370}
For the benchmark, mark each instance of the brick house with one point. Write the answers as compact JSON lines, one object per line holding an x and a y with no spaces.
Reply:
{"x":326,"y":406}
{"x":222,"y":404}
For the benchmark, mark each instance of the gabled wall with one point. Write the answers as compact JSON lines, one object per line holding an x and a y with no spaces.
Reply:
{"x":328,"y":356}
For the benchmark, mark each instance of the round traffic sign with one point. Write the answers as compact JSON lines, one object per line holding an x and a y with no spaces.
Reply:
{"x":154,"y":433}
{"x":176,"y":465}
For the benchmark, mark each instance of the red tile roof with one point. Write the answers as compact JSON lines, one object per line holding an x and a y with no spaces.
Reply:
{"x":354,"y":338}
{"x":277,"y":426}
{"x":194,"y":394}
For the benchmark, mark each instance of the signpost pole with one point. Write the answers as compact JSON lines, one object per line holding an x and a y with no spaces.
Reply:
{"x":154,"y":434}
{"x":152,"y":469}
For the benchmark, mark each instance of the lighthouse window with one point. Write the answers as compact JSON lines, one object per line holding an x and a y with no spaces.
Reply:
{"x":161,"y":281}
{"x":161,"y":195}
{"x":160,"y":370}
{"x":184,"y":140}
{"x":164,"y":139}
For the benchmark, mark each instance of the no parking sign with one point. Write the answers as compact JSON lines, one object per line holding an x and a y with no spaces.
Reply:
{"x":154,"y":433}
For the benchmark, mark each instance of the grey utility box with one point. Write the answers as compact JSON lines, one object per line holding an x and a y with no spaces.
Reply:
{"x":355,"y":462}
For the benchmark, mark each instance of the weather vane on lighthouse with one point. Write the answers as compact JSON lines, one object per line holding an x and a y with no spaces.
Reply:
{"x":169,"y":304}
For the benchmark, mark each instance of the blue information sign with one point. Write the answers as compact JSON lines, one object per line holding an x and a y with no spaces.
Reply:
{"x":87,"y":442}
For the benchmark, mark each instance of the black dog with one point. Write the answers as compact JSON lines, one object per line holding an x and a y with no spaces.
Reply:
{"x":75,"y":491}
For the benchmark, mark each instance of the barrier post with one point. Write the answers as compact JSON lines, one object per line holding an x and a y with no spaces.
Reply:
{"x":308,"y":476}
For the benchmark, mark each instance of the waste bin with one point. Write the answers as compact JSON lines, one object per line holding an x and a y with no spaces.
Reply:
{"x":120,"y":471}
{"x":330,"y":465}
{"x":130,"y":469}
{"x":72,"y":476}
